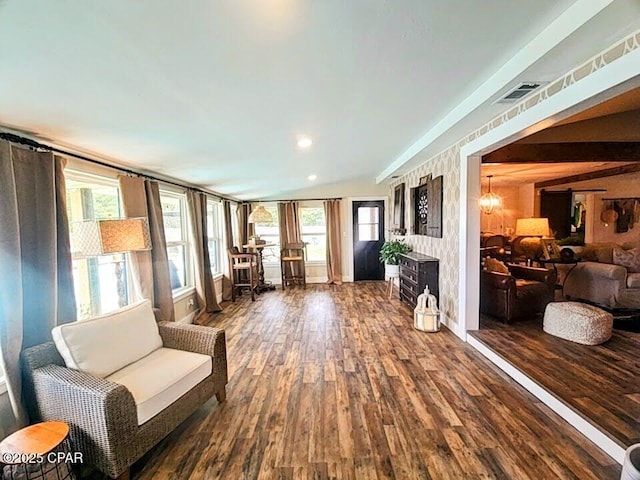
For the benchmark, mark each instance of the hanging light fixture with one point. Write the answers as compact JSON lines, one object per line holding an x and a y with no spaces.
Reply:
{"x":260,"y":215}
{"x":489,"y":201}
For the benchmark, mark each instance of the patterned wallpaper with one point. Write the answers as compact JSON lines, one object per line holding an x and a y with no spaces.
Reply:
{"x":447,"y":164}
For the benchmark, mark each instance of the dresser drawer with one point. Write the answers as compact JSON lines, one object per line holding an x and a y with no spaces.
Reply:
{"x":408,"y":298}
{"x":408,"y":264}
{"x":409,"y":286}
{"x":409,"y":274}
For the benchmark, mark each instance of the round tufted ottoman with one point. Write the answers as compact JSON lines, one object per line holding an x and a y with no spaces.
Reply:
{"x":578,"y":322}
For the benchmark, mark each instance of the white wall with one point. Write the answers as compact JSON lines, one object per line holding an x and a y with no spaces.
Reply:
{"x":364,"y":188}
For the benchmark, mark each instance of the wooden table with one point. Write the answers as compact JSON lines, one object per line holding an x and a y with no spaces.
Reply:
{"x":39,"y":451}
{"x":262,"y":285}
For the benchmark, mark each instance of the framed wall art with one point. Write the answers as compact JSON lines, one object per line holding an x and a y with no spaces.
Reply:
{"x":427,"y":207}
{"x":398,"y":209}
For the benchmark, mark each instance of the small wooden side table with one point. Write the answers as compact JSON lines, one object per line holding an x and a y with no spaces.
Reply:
{"x":40,"y":451}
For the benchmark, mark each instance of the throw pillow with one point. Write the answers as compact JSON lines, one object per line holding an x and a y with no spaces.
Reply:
{"x":599,"y":252}
{"x":627,"y":258}
{"x":495,"y":265}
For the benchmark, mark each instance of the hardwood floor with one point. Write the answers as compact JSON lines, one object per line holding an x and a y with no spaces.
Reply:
{"x":332,"y":382}
{"x":599,"y":382}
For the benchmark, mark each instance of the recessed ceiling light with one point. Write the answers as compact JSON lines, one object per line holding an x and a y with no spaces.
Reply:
{"x":312,"y":177}
{"x":304,"y":142}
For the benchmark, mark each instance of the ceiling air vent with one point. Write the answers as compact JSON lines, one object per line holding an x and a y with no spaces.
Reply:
{"x":519,"y":92}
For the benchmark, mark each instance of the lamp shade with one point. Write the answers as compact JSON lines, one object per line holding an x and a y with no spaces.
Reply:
{"x":124,"y":235}
{"x":260,"y":215}
{"x":532,"y":227}
{"x":103,"y":237}
{"x":85,"y":239}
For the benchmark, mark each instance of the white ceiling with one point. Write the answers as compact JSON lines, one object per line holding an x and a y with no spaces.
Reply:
{"x":214,"y":93}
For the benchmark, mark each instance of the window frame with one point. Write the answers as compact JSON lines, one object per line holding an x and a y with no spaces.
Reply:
{"x":189,"y":273}
{"x":216,"y":220}
{"x":277,"y":242}
{"x":315,"y":205}
{"x":97,"y":180}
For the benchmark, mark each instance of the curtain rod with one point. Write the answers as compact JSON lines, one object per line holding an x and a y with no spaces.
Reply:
{"x":619,"y":198}
{"x":292,"y":200}
{"x":10,"y":137}
{"x":594,"y":190}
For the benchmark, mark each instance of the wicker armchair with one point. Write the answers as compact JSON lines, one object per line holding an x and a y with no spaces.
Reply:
{"x":102,"y":414}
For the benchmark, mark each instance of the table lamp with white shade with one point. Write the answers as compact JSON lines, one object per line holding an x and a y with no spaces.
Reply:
{"x":532,"y":229}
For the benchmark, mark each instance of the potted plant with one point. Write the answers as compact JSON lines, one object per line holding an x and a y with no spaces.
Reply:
{"x":390,"y":256}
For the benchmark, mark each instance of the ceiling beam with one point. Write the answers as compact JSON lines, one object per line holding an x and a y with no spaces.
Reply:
{"x":565,"y":152}
{"x":609,"y":172}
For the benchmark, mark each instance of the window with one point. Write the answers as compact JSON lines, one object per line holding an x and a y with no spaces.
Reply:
{"x":101,"y":283}
{"x":314,"y":232}
{"x":214,"y":235}
{"x":270,"y":233}
{"x":174,"y":215}
{"x":368,"y":221}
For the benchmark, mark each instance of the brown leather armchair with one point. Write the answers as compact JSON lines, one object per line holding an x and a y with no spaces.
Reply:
{"x":524,"y":291}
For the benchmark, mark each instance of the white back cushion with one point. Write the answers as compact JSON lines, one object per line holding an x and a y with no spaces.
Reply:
{"x":105,"y":344}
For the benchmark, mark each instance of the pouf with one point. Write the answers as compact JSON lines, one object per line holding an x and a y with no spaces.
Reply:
{"x":578,"y":322}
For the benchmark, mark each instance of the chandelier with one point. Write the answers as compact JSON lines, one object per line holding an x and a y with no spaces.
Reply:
{"x":489,"y":201}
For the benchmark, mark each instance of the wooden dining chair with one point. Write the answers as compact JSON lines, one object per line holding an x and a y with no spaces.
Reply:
{"x":292,"y":264}
{"x":243,"y":269}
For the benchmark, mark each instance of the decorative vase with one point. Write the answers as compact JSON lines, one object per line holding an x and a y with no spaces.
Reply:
{"x":631,"y":465}
{"x":391,"y":271}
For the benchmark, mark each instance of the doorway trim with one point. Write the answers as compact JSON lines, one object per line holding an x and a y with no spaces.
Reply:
{"x":607,"y":82}
{"x":348,"y":229}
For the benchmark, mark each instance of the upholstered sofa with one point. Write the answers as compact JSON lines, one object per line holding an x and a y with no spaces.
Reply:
{"x":518,"y":291}
{"x":123,"y":382}
{"x":599,"y":280}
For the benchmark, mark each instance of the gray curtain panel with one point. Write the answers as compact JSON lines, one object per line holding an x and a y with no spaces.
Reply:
{"x":36,"y":283}
{"x":228,"y":243}
{"x":289,"y":224}
{"x":141,"y":198}
{"x":334,"y":241}
{"x":205,"y":289}
{"x":245,"y":229}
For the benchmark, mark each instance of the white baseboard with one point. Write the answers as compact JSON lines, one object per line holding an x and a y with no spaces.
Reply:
{"x":577,"y":421}
{"x":278,"y":281}
{"x":187,"y":319}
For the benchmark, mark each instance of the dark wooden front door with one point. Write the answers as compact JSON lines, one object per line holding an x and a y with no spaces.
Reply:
{"x":368,"y":237}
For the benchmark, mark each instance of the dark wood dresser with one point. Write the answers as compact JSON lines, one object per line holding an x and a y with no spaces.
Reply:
{"x":417,"y":271}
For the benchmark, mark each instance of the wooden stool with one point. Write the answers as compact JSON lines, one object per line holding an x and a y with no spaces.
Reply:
{"x":292,"y":264}
{"x":239,"y":264}
{"x":40,"y":451}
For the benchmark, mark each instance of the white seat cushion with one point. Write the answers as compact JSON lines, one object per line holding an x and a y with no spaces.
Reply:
{"x":105,"y":344}
{"x":160,"y":378}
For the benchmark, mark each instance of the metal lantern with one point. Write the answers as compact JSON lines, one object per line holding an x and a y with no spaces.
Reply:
{"x":426,"y":316}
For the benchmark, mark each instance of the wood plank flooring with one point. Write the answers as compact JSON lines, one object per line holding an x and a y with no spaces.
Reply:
{"x":332,"y":382}
{"x":599,"y":382}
